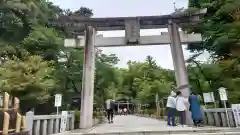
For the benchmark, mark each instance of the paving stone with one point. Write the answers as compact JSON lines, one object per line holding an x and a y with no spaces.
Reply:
{"x":135,"y":125}
{"x":132,"y":123}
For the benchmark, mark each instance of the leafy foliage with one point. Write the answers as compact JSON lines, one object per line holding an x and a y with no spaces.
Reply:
{"x":143,"y":80}
{"x":30,"y":79}
{"x":220,"y":30}
{"x":220,"y":27}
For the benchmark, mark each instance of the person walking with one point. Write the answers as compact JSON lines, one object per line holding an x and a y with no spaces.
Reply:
{"x":109,"y":106}
{"x":171,"y":109}
{"x":181,"y":107}
{"x":125,"y":111}
{"x":120,"y":112}
{"x":195,"y":108}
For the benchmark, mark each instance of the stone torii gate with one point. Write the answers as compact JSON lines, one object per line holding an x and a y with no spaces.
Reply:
{"x":132,"y":26}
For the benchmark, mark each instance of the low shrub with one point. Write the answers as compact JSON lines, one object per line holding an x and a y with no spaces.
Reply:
{"x":77,"y":115}
{"x":149,"y":111}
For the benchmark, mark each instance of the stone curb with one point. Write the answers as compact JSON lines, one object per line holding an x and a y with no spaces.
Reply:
{"x":225,"y":133}
{"x":163,"y":133}
{"x":210,"y":131}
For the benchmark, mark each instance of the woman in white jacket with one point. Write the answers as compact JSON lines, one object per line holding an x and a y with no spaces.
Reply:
{"x":181,"y":107}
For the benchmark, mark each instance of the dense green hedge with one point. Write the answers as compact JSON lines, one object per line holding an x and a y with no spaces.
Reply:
{"x":77,"y":115}
{"x":96,"y":115}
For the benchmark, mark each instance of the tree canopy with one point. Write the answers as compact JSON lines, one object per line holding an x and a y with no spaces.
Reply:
{"x":220,"y":27}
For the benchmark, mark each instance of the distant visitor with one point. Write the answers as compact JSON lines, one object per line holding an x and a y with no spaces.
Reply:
{"x":109,"y":107}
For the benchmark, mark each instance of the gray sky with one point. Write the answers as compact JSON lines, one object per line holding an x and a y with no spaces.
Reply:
{"x":118,"y":8}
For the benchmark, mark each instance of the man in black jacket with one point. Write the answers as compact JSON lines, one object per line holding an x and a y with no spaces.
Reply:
{"x":109,"y":107}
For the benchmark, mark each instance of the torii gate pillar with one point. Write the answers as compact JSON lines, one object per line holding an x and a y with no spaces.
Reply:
{"x":87,"y":92}
{"x":179,"y":64}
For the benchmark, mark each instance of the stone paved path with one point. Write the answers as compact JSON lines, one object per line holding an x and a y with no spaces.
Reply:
{"x":133,"y":123}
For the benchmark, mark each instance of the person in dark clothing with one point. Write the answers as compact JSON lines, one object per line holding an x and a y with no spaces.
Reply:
{"x":195,"y":108}
{"x":109,"y":107}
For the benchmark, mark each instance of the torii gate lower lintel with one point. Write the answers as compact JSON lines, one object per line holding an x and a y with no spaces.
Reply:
{"x":132,"y":37}
{"x":162,"y":39}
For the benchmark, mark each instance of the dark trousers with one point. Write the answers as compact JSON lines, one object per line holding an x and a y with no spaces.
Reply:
{"x":110,"y":114}
{"x":171,"y":116}
{"x":182,"y":115}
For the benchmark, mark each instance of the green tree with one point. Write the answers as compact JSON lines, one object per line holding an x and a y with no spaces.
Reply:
{"x":220,"y":27}
{"x":26,"y":31}
{"x":29,"y":79}
{"x":143,"y":80}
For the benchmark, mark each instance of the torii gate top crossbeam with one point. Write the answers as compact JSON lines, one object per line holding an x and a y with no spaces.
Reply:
{"x":118,"y":23}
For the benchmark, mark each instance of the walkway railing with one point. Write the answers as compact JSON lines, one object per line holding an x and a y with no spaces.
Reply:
{"x":217,"y":117}
{"x":47,"y":124}
{"x":213,"y":117}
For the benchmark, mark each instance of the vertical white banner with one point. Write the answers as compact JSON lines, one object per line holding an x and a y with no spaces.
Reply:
{"x":58,"y":100}
{"x":63,"y":124}
{"x":223,"y":94}
{"x":236,"y":113}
